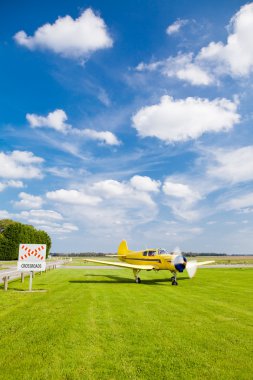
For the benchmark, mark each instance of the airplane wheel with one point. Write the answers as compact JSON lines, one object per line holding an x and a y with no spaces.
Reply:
{"x":174,"y":282}
{"x":138,"y":280}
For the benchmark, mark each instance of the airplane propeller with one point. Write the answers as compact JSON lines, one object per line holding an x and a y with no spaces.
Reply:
{"x":191,"y":267}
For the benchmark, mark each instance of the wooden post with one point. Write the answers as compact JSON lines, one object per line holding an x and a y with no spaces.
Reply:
{"x":6,"y":283}
{"x":31,"y":281}
{"x":22,"y":277}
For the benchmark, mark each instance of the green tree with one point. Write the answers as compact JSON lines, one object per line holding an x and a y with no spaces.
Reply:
{"x":5,"y":223}
{"x":14,"y":233}
{"x":43,"y":238}
{"x":3,"y":248}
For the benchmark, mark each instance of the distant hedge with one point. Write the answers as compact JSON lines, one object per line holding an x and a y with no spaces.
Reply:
{"x":14,"y":233}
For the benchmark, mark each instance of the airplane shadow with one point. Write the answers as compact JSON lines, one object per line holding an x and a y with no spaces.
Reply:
{"x":118,"y":279}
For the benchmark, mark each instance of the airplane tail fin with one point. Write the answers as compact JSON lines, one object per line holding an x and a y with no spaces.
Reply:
{"x":123,"y":248}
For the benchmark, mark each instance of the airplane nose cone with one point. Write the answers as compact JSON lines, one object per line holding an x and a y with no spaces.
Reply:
{"x":180,"y":263}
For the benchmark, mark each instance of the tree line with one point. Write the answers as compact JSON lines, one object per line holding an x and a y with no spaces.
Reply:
{"x":96,"y":254}
{"x":82,"y":254}
{"x":193,"y":254}
{"x":14,"y":233}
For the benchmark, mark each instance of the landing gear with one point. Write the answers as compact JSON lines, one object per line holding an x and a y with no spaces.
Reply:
{"x":174,"y":280}
{"x":137,"y":279}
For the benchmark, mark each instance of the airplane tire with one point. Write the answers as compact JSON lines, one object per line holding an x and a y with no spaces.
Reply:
{"x":138,"y":280}
{"x":174,"y":282}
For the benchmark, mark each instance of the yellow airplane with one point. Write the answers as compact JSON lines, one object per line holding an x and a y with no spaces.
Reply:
{"x":152,"y":259}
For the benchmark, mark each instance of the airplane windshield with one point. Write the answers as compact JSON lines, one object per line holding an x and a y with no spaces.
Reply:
{"x":162,"y":251}
{"x":149,"y":253}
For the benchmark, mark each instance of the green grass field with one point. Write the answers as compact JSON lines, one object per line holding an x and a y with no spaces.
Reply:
{"x":99,"y":324}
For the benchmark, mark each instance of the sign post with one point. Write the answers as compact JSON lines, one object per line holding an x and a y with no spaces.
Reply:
{"x":32,"y":258}
{"x":31,"y":282}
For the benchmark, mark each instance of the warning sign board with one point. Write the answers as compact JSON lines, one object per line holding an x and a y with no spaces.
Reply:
{"x":32,"y":257}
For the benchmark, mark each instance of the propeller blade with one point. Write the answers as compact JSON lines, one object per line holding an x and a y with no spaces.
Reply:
{"x":191,"y":267}
{"x":177,"y":251}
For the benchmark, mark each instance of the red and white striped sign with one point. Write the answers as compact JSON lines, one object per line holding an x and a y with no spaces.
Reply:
{"x":32,"y":257}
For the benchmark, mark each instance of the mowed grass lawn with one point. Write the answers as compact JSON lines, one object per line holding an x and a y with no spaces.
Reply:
{"x":99,"y":324}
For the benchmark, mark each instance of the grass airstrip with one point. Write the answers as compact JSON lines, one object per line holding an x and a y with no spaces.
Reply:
{"x":99,"y":325}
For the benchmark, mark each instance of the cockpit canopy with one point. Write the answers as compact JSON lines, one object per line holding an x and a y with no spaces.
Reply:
{"x":150,"y":252}
{"x":153,"y":252}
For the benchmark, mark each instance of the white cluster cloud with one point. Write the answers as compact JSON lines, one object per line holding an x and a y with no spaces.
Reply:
{"x":188,"y":195}
{"x":179,"y":190}
{"x":127,"y":192}
{"x":110,"y":205}
{"x":28,"y":201}
{"x":55,"y":120}
{"x":110,"y":188}
{"x":144,"y":183}
{"x":74,"y":38}
{"x":189,"y":72}
{"x":149,"y":66}
{"x":66,"y":172}
{"x":59,"y":229}
{"x":176,"y":26}
{"x":11,"y":183}
{"x":4,"y":214}
{"x":20,"y":164}
{"x":48,"y":220}
{"x":109,"y":202}
{"x":217,"y":168}
{"x":235,"y":58}
{"x":72,"y":197}
{"x":180,"y":120}
{"x":182,"y":67}
{"x":232,"y":165}
{"x":242,"y":202}
{"x":105,"y":137}
{"x":41,"y":215}
{"x":181,"y":198}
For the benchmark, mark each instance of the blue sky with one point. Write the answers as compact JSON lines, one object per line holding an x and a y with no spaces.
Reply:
{"x":128,"y":120}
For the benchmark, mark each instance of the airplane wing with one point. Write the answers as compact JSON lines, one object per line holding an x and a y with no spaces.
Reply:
{"x":205,"y":262}
{"x":123,"y":265}
{"x":115,"y":255}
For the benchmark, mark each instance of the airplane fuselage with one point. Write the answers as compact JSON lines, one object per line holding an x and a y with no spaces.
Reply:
{"x":160,"y":262}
